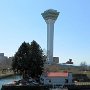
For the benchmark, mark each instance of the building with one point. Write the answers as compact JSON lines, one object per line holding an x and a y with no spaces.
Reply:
{"x":50,"y":16}
{"x":5,"y":62}
{"x":1,"y":54}
{"x":2,"y":57}
{"x":56,"y":78}
{"x":55,"y":60}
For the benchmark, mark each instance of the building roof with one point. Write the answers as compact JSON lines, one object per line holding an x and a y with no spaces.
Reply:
{"x":57,"y":74}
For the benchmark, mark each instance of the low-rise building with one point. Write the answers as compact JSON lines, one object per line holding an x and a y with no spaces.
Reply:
{"x":56,"y":78}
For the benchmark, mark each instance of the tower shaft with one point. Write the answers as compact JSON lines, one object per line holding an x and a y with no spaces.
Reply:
{"x":50,"y":39}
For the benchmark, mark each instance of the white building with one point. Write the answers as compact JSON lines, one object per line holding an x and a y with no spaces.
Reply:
{"x":56,"y":78}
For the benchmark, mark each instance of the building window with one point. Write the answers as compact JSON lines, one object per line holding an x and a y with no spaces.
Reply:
{"x":49,"y":81}
{"x":66,"y":80}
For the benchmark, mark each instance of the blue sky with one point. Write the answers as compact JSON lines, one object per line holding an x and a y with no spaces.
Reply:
{"x":21,"y":20}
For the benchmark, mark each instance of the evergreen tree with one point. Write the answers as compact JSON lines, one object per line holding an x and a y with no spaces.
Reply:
{"x":37,"y":60}
{"x":29,"y":60}
{"x":21,"y":59}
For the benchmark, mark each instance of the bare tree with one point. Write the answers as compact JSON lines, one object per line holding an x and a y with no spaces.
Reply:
{"x":83,"y":66}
